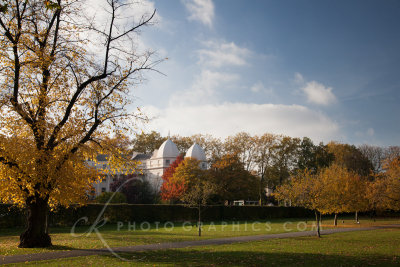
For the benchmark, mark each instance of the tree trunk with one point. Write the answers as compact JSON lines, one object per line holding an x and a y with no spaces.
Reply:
{"x":36,"y":234}
{"x":335,"y":220}
{"x":357,"y":221}
{"x":317,"y":220}
{"x":199,"y":220}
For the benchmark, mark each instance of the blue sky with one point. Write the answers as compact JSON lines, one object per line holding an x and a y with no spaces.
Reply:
{"x":329,"y":70}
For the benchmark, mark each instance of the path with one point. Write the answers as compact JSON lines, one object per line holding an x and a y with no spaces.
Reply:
{"x":172,"y":245}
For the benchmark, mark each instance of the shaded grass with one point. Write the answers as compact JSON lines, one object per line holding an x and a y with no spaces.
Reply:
{"x":361,"y":248}
{"x":121,"y":235}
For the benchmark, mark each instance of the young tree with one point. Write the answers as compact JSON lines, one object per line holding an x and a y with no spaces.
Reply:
{"x":303,"y":190}
{"x":65,"y":82}
{"x":197,"y":189}
{"x":342,"y":191}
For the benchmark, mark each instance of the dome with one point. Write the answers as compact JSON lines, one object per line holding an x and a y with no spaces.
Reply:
{"x":195,"y":151}
{"x":168,"y":149}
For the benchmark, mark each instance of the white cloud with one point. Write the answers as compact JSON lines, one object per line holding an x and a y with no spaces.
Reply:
{"x":219,"y":54}
{"x":226,"y":119}
{"x":200,"y":10}
{"x":298,"y":78}
{"x":259,"y":87}
{"x":317,"y":93}
{"x":204,"y":88}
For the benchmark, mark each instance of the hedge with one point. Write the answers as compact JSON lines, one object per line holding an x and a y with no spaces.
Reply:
{"x":11,"y":216}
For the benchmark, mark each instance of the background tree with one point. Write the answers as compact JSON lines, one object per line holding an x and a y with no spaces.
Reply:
{"x":146,"y":143}
{"x":313,"y":157}
{"x":351,"y":158}
{"x":244,"y":146}
{"x":169,"y":190}
{"x":65,"y":82}
{"x":374,"y":154}
{"x":233,"y":182}
{"x":284,"y":159}
{"x":263,"y":160}
{"x":136,"y":189}
{"x":384,"y":192}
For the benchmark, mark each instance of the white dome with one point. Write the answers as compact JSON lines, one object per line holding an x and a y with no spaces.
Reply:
{"x":168,"y":150}
{"x":195,"y":151}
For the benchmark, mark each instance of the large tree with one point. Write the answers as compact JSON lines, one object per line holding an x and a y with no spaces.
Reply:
{"x":65,"y":82}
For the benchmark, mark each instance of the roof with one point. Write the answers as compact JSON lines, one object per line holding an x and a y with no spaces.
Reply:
{"x":168,"y":149}
{"x":195,"y":151}
{"x":140,"y":156}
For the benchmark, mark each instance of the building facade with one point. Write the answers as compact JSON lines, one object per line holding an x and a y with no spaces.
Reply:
{"x":151,"y":166}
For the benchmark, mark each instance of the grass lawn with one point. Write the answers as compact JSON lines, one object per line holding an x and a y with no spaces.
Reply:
{"x":118,"y":236}
{"x":361,"y":248}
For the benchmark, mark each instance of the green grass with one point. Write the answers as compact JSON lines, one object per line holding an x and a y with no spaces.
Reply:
{"x":63,"y":240}
{"x":361,"y":248}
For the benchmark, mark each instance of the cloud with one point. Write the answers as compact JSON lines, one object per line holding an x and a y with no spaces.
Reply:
{"x":204,"y":88}
{"x":298,"y":78}
{"x":259,"y":87}
{"x":219,"y":54}
{"x":317,"y":93}
{"x":200,"y":10}
{"x":222,"y":120}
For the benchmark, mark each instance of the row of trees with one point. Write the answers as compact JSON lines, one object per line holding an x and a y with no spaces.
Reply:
{"x":227,"y":176}
{"x":274,"y":158}
{"x":339,"y":189}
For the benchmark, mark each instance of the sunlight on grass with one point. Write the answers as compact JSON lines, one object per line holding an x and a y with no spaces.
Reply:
{"x":362,"y":248}
{"x":138,"y":234}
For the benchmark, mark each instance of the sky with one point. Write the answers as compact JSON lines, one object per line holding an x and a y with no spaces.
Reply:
{"x":328,"y":70}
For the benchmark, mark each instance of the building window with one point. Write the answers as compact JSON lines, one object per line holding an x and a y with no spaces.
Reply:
{"x":103,"y":189}
{"x":204,"y":165}
{"x":167,"y":161}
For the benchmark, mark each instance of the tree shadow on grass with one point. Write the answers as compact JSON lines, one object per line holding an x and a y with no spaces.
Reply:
{"x":248,"y":258}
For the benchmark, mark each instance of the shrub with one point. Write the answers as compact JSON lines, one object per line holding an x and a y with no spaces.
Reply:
{"x":114,"y":197}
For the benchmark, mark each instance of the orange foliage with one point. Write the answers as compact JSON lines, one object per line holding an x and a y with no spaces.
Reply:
{"x":169,"y":189}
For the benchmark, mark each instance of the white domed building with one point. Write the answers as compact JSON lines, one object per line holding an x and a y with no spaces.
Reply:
{"x":153,"y":166}
{"x":196,"y":152}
